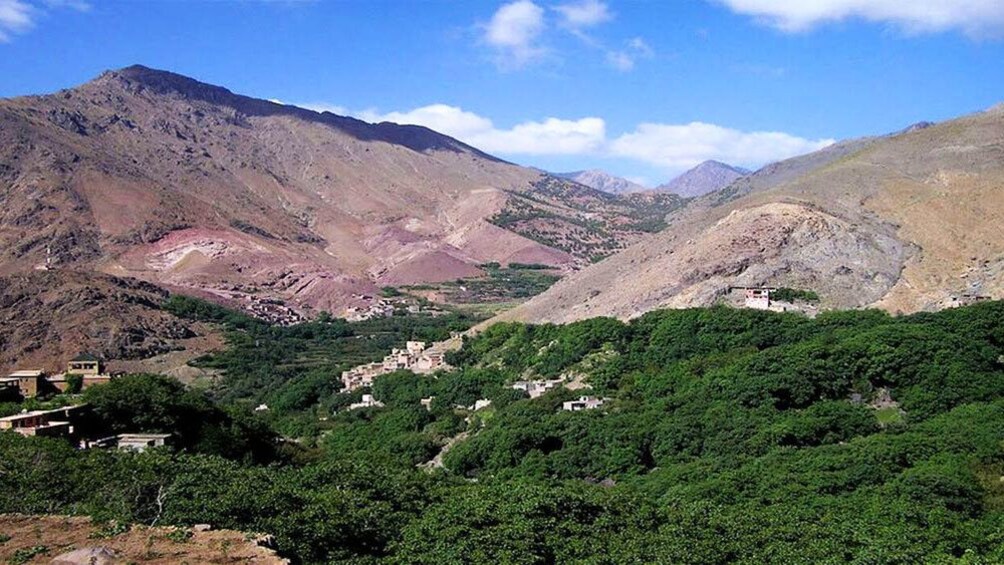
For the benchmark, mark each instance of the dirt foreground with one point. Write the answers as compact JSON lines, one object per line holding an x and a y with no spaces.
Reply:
{"x":70,"y":540}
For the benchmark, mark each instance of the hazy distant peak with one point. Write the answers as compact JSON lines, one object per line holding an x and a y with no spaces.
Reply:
{"x":602,"y":180}
{"x":706,"y":177}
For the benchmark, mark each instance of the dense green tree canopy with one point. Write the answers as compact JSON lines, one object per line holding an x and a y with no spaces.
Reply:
{"x":728,"y":436}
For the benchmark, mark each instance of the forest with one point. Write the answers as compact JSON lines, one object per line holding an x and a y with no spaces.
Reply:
{"x":727,"y":436}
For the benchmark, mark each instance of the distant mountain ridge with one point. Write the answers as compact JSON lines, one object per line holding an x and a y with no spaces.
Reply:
{"x":602,"y":180}
{"x":904,"y":222}
{"x":149,"y":174}
{"x":707,"y":177}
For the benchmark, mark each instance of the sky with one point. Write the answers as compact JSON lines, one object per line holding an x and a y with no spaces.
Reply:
{"x":643,"y":89}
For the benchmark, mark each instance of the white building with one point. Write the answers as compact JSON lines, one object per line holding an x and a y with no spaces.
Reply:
{"x":758,"y":298}
{"x":537,"y":388}
{"x":367,"y":402}
{"x":583,"y":403}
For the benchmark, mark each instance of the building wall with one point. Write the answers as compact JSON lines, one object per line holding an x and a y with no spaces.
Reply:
{"x":84,"y":367}
{"x":28,"y":386}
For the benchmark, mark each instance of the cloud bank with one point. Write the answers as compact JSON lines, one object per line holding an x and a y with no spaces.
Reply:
{"x":972,"y":17}
{"x":670,"y":147}
{"x":685,"y":145}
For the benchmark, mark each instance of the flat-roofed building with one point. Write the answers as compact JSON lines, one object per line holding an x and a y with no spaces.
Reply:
{"x":141,"y":442}
{"x":583,"y":403}
{"x":85,"y":364}
{"x":50,"y":423}
{"x":29,"y":381}
{"x":367,"y":402}
{"x":536,"y":389}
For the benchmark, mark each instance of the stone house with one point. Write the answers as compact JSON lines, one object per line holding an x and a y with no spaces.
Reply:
{"x":48,"y":423}
{"x":583,"y":403}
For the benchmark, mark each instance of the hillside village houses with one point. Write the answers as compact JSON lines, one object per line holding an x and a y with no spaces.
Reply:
{"x":414,"y":357}
{"x":384,"y":308}
{"x":367,"y":402}
{"x":958,"y":301}
{"x":66,"y":423}
{"x":583,"y":403}
{"x":32,"y":382}
{"x":537,"y":389}
{"x":44,"y":423}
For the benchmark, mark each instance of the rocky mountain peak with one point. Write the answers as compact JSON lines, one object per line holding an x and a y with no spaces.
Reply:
{"x":706,"y":177}
{"x":602,"y":180}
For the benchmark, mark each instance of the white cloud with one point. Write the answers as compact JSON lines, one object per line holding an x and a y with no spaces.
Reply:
{"x":583,"y":14}
{"x":620,"y":60}
{"x":15,"y":17}
{"x":551,"y":136}
{"x":514,"y":31}
{"x":677,"y":147}
{"x":640,"y":46}
{"x":669,"y":147}
{"x":19,"y":16}
{"x":973,"y":17}
{"x":624,"y":59}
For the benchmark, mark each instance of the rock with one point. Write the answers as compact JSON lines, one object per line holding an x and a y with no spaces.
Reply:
{"x":87,"y":556}
{"x":201,"y":528}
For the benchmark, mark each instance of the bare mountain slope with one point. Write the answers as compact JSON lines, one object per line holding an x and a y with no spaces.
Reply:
{"x":602,"y":180}
{"x":48,"y":317}
{"x":153,"y":175}
{"x":707,"y":177}
{"x":903,"y":222}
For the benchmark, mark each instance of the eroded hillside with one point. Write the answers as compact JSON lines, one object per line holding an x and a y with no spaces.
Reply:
{"x":153,"y":175}
{"x":904,"y":222}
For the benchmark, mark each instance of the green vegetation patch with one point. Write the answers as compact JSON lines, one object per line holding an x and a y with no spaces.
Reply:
{"x":728,"y":436}
{"x":586,"y":223}
{"x":794,"y":295}
{"x":516,"y":282}
{"x":26,"y":554}
{"x":889,"y":416}
{"x":295,"y":370}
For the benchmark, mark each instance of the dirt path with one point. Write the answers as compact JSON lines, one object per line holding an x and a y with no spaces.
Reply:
{"x":437,"y":461}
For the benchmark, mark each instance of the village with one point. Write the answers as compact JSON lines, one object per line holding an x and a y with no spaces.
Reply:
{"x":67,"y":422}
{"x":775,"y":299}
{"x":420,"y":359}
{"x":414,"y":357}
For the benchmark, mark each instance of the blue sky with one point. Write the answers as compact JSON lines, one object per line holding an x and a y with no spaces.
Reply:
{"x":643,"y":89}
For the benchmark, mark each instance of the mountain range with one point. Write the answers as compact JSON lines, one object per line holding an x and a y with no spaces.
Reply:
{"x":906,"y":222}
{"x":601,"y":180}
{"x":153,"y":175}
{"x":706,"y":177}
{"x":149,"y":175}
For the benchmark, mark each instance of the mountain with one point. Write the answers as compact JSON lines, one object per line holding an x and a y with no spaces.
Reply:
{"x":148,"y":174}
{"x":601,"y":180}
{"x":707,"y":177}
{"x":48,"y":317}
{"x":905,"y":222}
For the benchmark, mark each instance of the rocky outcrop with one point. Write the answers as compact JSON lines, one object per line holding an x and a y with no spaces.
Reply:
{"x":73,"y":540}
{"x":48,"y":317}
